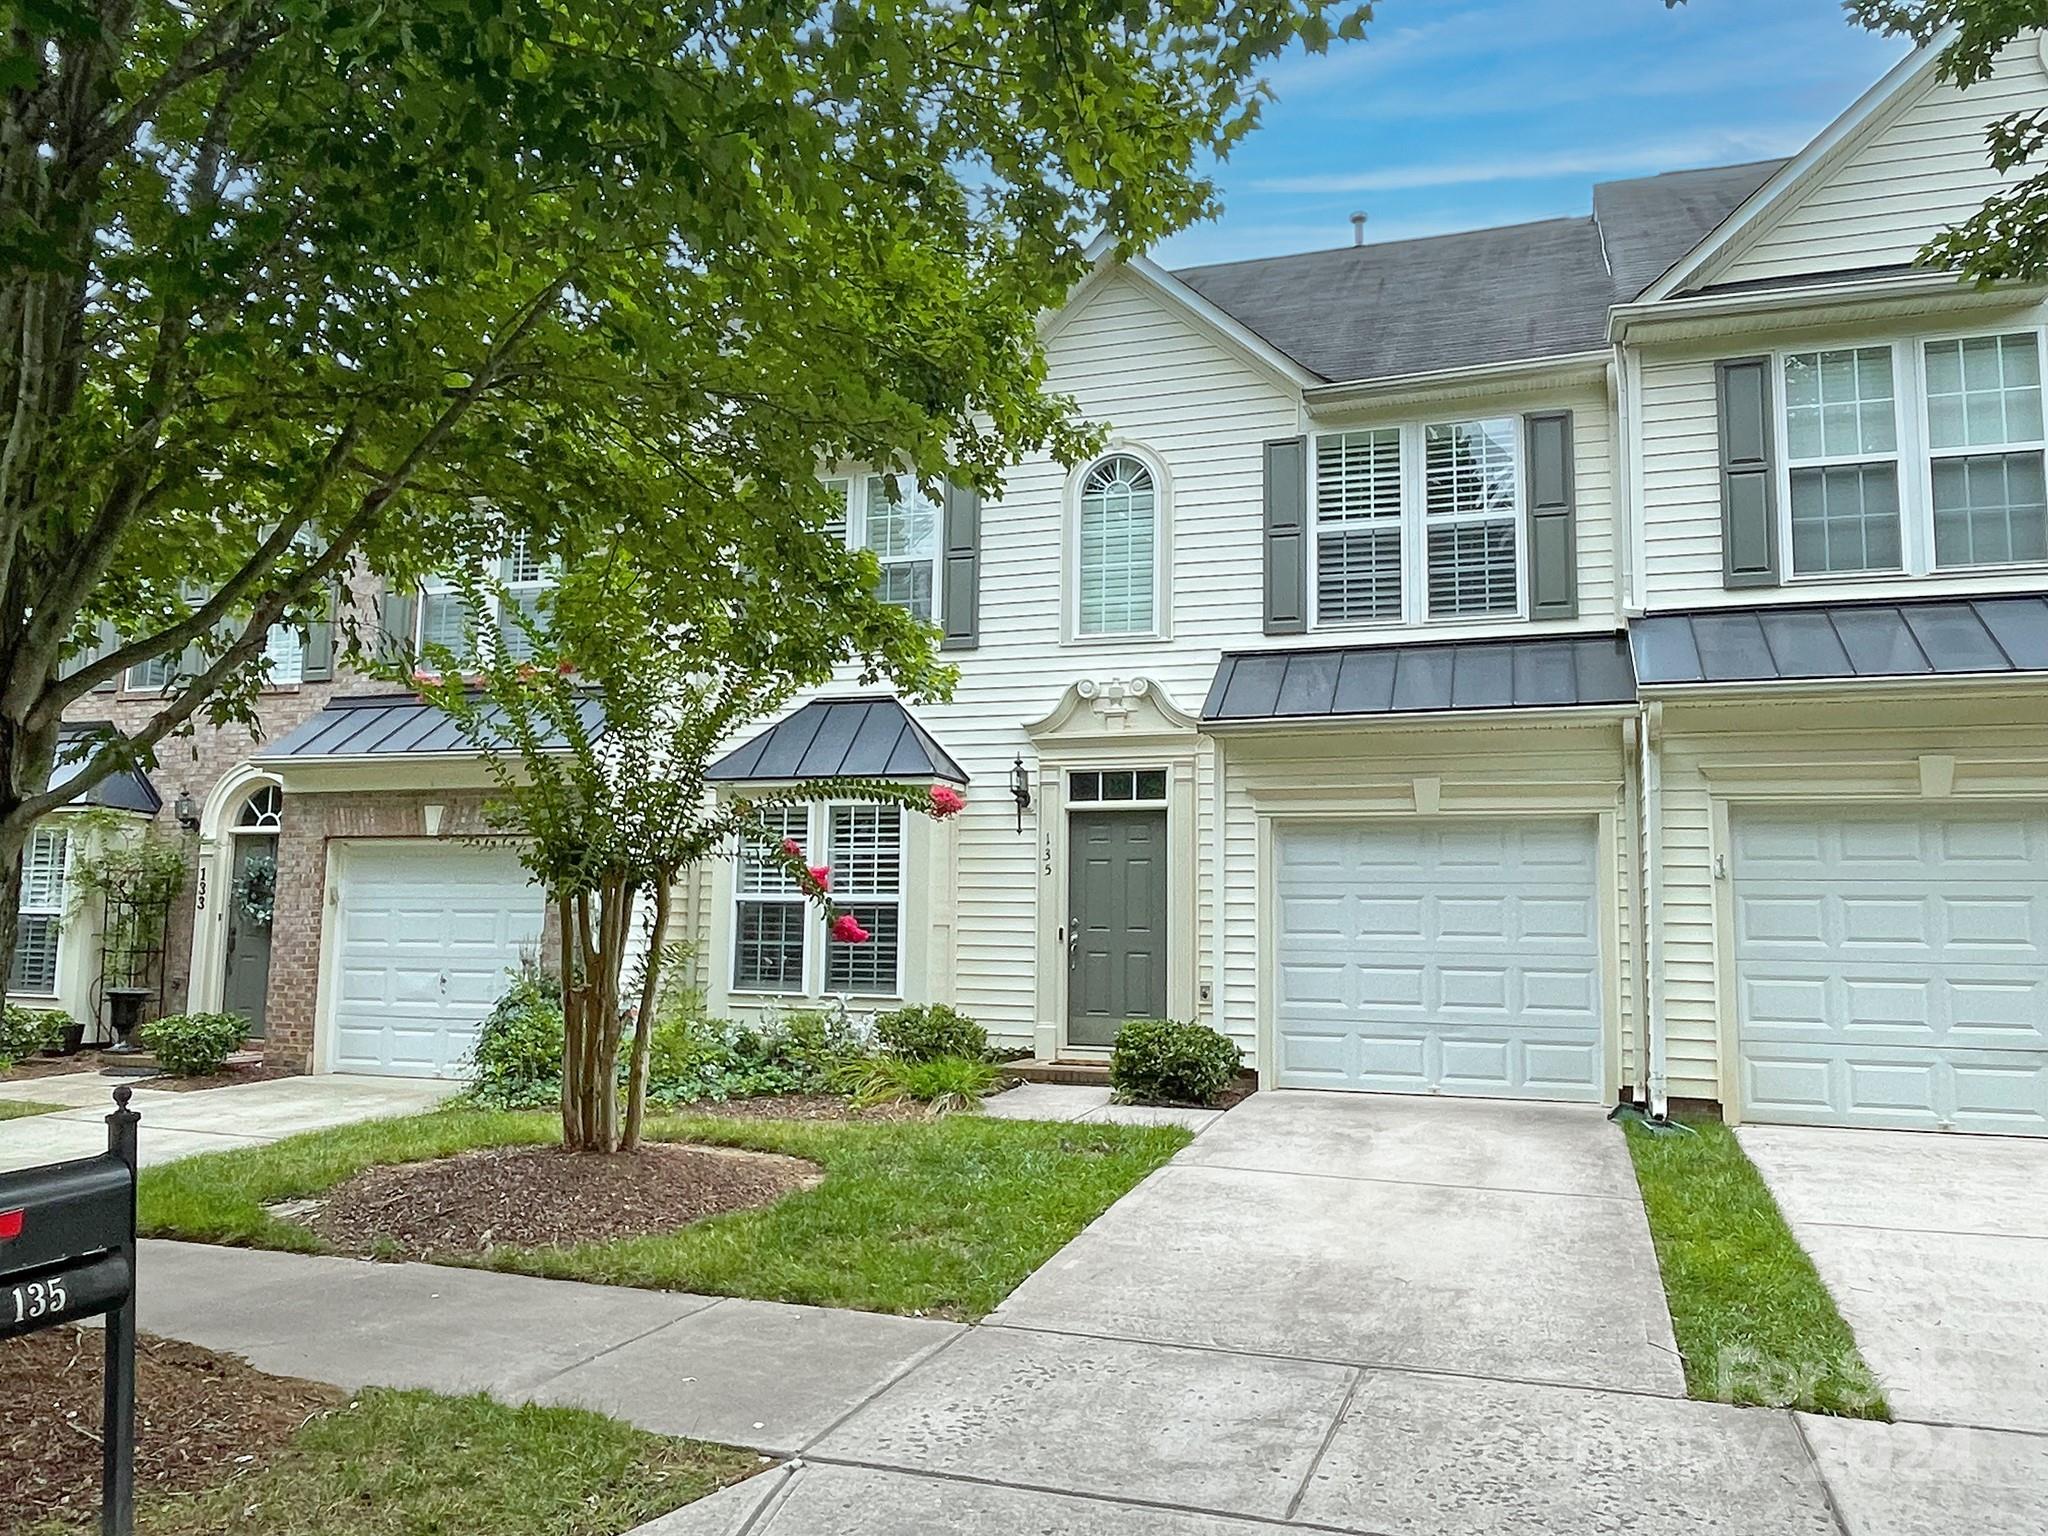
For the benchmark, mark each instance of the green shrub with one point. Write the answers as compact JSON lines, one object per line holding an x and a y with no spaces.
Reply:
{"x":24,"y":1031}
{"x":693,"y":1057}
{"x":925,"y":1033}
{"x":946,"y":1083}
{"x":516,"y":1062}
{"x":1165,"y":1061}
{"x":194,"y":1044}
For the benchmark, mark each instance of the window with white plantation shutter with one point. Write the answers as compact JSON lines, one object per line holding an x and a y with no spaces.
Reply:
{"x":446,"y":621}
{"x":1118,"y":569}
{"x":40,"y":924}
{"x":866,"y":846}
{"x":1471,"y":515}
{"x":904,"y":534}
{"x":770,"y":916}
{"x":1358,"y":526}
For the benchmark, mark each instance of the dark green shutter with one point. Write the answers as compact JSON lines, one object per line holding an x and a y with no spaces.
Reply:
{"x":397,"y":616}
{"x":1287,"y":536}
{"x":318,"y":663}
{"x":960,"y":570}
{"x":1552,"y":518}
{"x":1749,"y":515}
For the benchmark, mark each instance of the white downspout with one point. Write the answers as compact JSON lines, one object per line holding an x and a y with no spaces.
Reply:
{"x":1652,"y":796}
{"x":1217,"y":888}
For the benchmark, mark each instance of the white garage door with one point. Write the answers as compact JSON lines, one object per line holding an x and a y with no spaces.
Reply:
{"x":1439,"y":957}
{"x":428,"y":934}
{"x":1892,"y":970}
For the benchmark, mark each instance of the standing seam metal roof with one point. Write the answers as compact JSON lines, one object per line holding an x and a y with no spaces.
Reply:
{"x":1924,"y":637}
{"x":866,"y":738}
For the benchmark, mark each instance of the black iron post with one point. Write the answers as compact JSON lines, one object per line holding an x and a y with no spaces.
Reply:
{"x":117,"y":1507}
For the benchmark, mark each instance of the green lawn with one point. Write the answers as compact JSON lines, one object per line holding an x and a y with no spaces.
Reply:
{"x":19,"y":1109}
{"x":1754,"y":1322}
{"x":417,"y":1464}
{"x":940,"y":1217}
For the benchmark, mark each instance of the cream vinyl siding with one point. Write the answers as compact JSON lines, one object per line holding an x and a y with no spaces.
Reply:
{"x":1817,"y":751}
{"x":1679,"y":453}
{"x":1921,"y":167}
{"x":1574,"y":772}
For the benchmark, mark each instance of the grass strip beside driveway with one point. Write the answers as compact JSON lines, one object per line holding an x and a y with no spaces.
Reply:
{"x":1754,"y":1322}
{"x":18,"y":1109}
{"x":408,"y":1463}
{"x":938,"y":1217}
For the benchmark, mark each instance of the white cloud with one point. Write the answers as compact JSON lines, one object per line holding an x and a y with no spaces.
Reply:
{"x":1717,"y":146}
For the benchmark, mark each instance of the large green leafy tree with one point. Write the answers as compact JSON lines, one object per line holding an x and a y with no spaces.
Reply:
{"x":2008,"y":237}
{"x":293,"y":287}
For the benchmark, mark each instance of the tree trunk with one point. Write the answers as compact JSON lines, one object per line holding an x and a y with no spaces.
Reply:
{"x":593,"y":945}
{"x":643,"y":1022}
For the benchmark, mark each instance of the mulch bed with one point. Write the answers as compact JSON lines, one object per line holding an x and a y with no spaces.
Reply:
{"x":251,"y":1070}
{"x":542,"y":1197}
{"x":200,"y":1417}
{"x":236,"y":1072}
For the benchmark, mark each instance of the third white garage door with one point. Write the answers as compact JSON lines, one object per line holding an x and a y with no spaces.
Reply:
{"x":1439,"y":956}
{"x":1892,"y":970}
{"x":428,"y":935}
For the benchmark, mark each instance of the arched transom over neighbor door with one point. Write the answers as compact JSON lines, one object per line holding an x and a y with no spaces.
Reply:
{"x":1450,"y":954}
{"x":252,"y":897}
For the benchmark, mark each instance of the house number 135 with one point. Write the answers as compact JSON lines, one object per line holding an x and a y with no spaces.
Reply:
{"x":39,"y":1298}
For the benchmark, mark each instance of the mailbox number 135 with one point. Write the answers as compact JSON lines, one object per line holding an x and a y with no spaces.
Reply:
{"x":39,"y":1298}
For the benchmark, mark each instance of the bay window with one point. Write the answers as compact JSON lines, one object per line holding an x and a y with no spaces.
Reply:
{"x":1418,"y":522}
{"x":780,"y":941}
{"x":45,"y":863}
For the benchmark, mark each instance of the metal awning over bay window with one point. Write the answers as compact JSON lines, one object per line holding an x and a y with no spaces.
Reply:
{"x":863,"y":738}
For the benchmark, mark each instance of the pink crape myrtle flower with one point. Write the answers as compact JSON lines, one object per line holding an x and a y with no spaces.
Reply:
{"x":946,"y":801}
{"x":792,"y":847}
{"x":821,"y":876}
{"x":846,"y":929}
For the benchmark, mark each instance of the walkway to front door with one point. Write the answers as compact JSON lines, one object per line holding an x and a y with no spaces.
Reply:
{"x":1116,"y":914}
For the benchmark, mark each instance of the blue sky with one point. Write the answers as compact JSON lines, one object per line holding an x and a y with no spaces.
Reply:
{"x":1454,"y":114}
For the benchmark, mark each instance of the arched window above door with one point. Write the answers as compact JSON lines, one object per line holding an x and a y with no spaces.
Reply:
{"x":263,"y":811}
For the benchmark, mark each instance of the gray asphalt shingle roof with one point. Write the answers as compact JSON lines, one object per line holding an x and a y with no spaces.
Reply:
{"x":1340,"y":682}
{"x":1482,"y":296}
{"x":1929,"y":637}
{"x":865,"y":738}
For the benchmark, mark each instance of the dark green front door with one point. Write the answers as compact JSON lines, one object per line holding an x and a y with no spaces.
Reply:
{"x":1116,"y":915}
{"x":250,"y":897}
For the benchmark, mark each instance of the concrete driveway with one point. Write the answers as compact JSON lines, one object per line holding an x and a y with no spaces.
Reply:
{"x":202,"y":1120}
{"x":1936,"y":1250}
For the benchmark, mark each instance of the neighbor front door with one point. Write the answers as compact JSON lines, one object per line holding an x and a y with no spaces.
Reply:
{"x":251,"y":894}
{"x":1116,"y":917}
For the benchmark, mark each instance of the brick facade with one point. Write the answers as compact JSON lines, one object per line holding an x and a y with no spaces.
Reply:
{"x":311,"y":823}
{"x":193,"y":765}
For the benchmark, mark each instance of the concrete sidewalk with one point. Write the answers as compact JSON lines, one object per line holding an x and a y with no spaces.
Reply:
{"x":178,"y":1124}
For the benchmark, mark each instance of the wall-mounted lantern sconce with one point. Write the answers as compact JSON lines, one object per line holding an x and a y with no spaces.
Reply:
{"x":186,"y":811}
{"x":1020,"y":789}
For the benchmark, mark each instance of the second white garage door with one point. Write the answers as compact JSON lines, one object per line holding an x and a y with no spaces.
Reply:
{"x":1444,"y":956}
{"x":1892,"y":970}
{"x":428,"y":935}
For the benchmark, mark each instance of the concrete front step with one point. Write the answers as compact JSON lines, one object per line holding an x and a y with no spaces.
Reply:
{"x":1087,"y":1074}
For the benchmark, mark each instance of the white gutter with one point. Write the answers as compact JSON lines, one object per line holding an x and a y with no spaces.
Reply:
{"x":1544,"y":370}
{"x":1529,"y":714}
{"x":1752,"y":303}
{"x":1651,"y":795}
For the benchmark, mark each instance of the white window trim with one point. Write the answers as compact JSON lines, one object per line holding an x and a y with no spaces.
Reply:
{"x":1415,"y":526}
{"x":1162,"y":548}
{"x":1155,"y":803}
{"x":855,"y":529}
{"x":1915,"y":457}
{"x":496,"y":590}
{"x":62,"y":900}
{"x":817,"y":838}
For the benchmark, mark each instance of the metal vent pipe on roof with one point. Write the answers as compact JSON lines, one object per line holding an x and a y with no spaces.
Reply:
{"x":1358,"y":229}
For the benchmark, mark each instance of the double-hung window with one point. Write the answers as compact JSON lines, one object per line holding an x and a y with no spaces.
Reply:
{"x":1419,"y":522}
{"x":1472,"y":516}
{"x":780,"y":940}
{"x":1985,"y":441}
{"x":1117,"y":569}
{"x":1358,"y":526}
{"x":448,"y":622}
{"x":284,"y":648}
{"x":1842,"y":459}
{"x":40,"y":922}
{"x":902,"y":530}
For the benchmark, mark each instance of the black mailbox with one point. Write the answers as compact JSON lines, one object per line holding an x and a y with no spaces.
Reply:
{"x":67,"y":1251}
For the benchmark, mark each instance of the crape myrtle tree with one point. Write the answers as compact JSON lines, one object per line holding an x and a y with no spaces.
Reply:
{"x":292,"y":289}
{"x":597,"y":720}
{"x":2007,"y":239}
